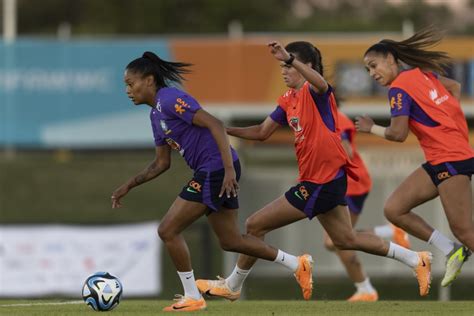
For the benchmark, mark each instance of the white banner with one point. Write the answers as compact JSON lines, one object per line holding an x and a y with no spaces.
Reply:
{"x":37,"y":260}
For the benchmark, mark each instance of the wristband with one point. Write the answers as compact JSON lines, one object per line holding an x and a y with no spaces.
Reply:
{"x":290,"y":60}
{"x":378,"y":130}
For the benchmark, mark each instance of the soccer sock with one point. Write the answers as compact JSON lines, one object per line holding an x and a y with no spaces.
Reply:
{"x":384,"y":231}
{"x":365,"y":286}
{"x":403,"y":255}
{"x":287,"y":260}
{"x":236,"y":279}
{"x":441,"y":242}
{"x":189,"y":284}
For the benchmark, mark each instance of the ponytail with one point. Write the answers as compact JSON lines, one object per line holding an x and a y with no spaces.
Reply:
{"x":162,"y":71}
{"x":413,"y":51}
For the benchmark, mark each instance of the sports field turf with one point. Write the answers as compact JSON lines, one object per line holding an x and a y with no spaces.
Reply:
{"x":153,"y":307}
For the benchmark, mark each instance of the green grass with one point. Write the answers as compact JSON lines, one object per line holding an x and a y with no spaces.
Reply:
{"x":154,"y":307}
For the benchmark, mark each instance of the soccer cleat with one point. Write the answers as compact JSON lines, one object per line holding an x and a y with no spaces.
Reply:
{"x":456,"y":259}
{"x":400,"y":237}
{"x":423,"y":272}
{"x":364,"y":297}
{"x":186,"y":304}
{"x":217,"y":288}
{"x":304,"y":275}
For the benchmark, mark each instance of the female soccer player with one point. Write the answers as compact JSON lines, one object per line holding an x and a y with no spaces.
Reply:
{"x":427,"y":104}
{"x":356,"y":194}
{"x":309,"y":108}
{"x":179,"y":123}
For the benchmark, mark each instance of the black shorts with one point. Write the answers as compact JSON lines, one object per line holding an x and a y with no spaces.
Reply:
{"x":356,"y":202}
{"x":314,"y":199}
{"x":205,"y":187}
{"x":439,"y":173}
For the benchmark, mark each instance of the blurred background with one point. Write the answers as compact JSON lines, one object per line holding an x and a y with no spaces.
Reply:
{"x":69,"y":135}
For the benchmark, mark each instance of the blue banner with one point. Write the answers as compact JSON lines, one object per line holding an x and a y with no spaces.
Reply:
{"x":70,"y":94}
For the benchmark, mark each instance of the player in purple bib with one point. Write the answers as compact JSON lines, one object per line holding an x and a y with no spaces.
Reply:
{"x":179,"y":123}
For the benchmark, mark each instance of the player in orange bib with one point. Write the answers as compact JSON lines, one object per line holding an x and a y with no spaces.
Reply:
{"x":428,"y":105}
{"x":357,"y":192}
{"x":309,"y":108}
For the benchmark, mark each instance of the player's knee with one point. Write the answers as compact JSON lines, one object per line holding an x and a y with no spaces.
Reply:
{"x":345,"y":242}
{"x":329,"y":244}
{"x":252,"y":227}
{"x":229,"y":244}
{"x":164,"y":232}
{"x":390,"y":212}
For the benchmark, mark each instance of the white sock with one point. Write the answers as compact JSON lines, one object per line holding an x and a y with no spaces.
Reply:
{"x":189,"y":284}
{"x":236,"y":279}
{"x":384,"y":231}
{"x":406,"y":256}
{"x":365,"y":286}
{"x":287,"y":260}
{"x":441,"y":242}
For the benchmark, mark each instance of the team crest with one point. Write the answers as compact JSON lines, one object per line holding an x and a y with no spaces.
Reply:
{"x":158,"y":105}
{"x":295,"y":124}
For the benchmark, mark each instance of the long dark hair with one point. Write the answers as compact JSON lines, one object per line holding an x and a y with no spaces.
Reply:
{"x":307,"y":53}
{"x":413,"y":51}
{"x":162,"y":71}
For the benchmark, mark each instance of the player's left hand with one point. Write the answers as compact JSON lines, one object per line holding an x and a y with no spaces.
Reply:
{"x":278,"y":51}
{"x":364,"y":123}
{"x":117,"y":195}
{"x":229,"y":185}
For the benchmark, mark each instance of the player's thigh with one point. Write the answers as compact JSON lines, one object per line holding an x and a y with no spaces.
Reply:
{"x":225,"y":223}
{"x":337,"y":223}
{"x":180,"y":215}
{"x":276,"y":214}
{"x":416,"y":189}
{"x":456,"y":196}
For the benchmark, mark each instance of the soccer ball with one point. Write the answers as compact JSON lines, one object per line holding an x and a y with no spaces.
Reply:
{"x":102,"y":291}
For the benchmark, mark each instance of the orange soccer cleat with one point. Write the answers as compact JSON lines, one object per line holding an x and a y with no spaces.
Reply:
{"x":186,"y":304}
{"x":400,"y":237}
{"x":304,"y":275}
{"x":423,"y":272}
{"x":364,"y":297}
{"x":217,"y":288}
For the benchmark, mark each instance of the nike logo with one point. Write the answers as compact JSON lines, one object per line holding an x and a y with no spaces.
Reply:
{"x":298,"y":195}
{"x":423,"y":263}
{"x":304,"y":267}
{"x":283,"y":259}
{"x":191,"y":190}
{"x":189,"y":277}
{"x":180,"y":307}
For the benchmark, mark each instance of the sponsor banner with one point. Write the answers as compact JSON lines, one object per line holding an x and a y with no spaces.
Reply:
{"x":37,"y":260}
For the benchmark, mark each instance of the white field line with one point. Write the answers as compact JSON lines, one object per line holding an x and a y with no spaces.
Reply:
{"x":41,"y":304}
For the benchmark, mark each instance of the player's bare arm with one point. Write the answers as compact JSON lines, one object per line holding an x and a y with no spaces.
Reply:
{"x":161,"y":163}
{"x":217,"y":129}
{"x":259,"y":132}
{"x":397,"y":131}
{"x":317,"y":81}
{"x":452,"y":86}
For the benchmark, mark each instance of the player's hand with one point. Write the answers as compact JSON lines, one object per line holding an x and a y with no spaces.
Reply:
{"x":278,"y":51}
{"x":364,"y":123}
{"x":229,"y":185}
{"x":117,"y":195}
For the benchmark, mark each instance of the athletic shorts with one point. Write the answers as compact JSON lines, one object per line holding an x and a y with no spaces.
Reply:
{"x":205,"y":187}
{"x":314,"y":199}
{"x":356,"y":202}
{"x":439,"y":173}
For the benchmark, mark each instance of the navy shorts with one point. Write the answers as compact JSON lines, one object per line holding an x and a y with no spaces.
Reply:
{"x":439,"y":173}
{"x":314,"y":199}
{"x":356,"y":203}
{"x":205,"y":187}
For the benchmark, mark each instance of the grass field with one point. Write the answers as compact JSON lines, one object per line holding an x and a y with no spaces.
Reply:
{"x":153,"y":307}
